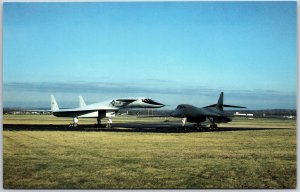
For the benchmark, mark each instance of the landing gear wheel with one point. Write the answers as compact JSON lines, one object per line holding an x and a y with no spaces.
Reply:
{"x":185,"y":130}
{"x":198,"y":127}
{"x":213,"y":127}
{"x":99,"y":124}
{"x":109,"y":122}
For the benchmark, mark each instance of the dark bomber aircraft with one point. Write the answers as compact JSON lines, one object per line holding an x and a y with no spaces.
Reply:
{"x":214,"y":113}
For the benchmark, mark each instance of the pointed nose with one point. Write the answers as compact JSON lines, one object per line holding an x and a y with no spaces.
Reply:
{"x":162,"y":105}
{"x":153,"y":103}
{"x":158,"y":105}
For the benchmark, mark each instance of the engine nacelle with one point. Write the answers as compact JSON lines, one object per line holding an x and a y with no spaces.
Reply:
{"x":222,"y":119}
{"x":196,"y":119}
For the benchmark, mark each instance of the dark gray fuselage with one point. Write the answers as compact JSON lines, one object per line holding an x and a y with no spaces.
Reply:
{"x":198,"y":115}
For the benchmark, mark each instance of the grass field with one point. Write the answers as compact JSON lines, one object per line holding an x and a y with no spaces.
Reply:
{"x":137,"y":160}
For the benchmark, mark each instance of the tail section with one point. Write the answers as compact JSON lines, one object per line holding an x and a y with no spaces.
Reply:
{"x":220,"y":104}
{"x":54,"y":106}
{"x":81,"y":102}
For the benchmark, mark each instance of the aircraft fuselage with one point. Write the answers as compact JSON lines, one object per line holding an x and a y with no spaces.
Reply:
{"x":214,"y":113}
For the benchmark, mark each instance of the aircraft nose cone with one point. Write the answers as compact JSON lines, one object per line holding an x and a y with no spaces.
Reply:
{"x":153,"y":103}
{"x":158,"y":105}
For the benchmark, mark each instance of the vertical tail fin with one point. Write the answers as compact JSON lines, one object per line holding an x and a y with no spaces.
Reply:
{"x":220,"y":102}
{"x":54,"y":106}
{"x":81,"y":102}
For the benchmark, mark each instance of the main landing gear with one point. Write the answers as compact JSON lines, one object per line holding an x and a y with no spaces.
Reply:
{"x":213,"y":125}
{"x":99,"y":122}
{"x":198,"y":127}
{"x":109,"y":122}
{"x":75,"y":122}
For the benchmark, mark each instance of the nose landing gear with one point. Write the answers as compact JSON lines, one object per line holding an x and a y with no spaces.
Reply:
{"x":75,"y":122}
{"x":214,"y":127}
{"x":183,"y":121}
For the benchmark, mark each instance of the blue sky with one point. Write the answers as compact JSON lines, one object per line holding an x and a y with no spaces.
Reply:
{"x":173,"y":52}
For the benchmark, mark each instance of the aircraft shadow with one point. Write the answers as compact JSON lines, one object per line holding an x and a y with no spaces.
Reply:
{"x":126,"y":127}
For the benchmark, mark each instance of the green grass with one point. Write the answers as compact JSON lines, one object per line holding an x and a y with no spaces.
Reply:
{"x":123,"y":160}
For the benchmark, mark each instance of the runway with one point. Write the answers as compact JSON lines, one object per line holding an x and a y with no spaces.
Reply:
{"x":157,"y":127}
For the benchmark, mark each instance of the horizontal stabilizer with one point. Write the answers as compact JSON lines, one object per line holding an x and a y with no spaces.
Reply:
{"x":232,"y":106}
{"x":224,"y":105}
{"x":213,"y":105}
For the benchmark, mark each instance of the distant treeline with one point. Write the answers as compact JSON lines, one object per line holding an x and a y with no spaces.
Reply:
{"x":9,"y":109}
{"x":266,"y":112}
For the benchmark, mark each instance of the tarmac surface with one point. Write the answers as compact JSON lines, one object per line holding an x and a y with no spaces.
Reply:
{"x":158,"y":127}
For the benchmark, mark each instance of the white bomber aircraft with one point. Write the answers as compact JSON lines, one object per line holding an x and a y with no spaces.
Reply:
{"x":106,"y":109}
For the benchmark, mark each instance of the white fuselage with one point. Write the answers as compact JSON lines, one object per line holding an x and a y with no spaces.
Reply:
{"x":106,"y":108}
